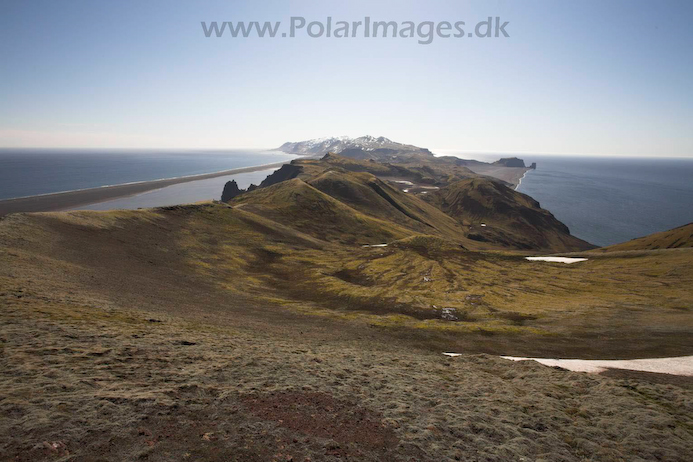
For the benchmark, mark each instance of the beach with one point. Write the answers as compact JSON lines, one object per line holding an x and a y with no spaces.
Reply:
{"x":519,"y":182}
{"x":73,"y":199}
{"x":512,"y":175}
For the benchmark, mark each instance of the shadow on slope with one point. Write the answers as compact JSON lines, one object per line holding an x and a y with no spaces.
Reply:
{"x":495,"y":213}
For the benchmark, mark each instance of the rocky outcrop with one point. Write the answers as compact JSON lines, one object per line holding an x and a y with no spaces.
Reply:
{"x":510,"y":162}
{"x":286,"y":172}
{"x":231,"y":190}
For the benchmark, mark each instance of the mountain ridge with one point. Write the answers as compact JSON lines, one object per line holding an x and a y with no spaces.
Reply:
{"x":384,"y":150}
{"x":363,"y":147}
{"x":449,"y":201}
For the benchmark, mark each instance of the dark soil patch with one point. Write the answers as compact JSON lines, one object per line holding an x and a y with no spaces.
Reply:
{"x":322,"y":416}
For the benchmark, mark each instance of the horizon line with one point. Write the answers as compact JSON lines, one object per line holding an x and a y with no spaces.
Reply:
{"x":433,"y":150}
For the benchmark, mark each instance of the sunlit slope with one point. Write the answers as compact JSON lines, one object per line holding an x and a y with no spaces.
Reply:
{"x":210,"y":331}
{"x":301,"y":206}
{"x":511,"y":219}
{"x":372,"y":196}
{"x":438,"y":172}
{"x":449,"y":202}
{"x":250,"y":264}
{"x":677,"y":238}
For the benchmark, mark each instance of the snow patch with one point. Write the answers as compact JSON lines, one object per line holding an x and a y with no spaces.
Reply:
{"x":681,"y":365}
{"x":566,"y":260}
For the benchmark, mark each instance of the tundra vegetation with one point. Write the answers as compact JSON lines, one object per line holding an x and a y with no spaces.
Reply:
{"x":263,"y":329}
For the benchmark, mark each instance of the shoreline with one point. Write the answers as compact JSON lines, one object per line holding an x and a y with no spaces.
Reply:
{"x":65,"y":200}
{"x":519,"y":182}
{"x":511,"y":175}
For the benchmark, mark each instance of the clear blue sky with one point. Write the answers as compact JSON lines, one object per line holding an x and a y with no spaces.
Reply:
{"x":574,"y":77}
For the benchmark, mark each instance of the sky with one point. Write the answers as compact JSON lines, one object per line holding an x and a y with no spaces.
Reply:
{"x":573,"y":77}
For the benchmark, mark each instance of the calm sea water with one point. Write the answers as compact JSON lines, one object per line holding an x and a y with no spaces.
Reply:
{"x":182,"y":193}
{"x":610,"y":200}
{"x":31,"y":172}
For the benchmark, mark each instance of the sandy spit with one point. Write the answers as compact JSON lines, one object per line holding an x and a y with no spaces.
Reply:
{"x":72,"y":199}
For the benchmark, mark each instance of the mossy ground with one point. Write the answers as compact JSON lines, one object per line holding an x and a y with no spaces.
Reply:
{"x":165,"y":334}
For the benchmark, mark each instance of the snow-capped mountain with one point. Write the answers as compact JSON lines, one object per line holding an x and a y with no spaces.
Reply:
{"x":363,"y":147}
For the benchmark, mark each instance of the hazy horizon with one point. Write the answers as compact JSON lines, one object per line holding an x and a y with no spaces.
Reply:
{"x":583,"y":78}
{"x":484,"y":156}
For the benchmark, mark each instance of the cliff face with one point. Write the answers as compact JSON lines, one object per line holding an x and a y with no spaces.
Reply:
{"x":286,"y":172}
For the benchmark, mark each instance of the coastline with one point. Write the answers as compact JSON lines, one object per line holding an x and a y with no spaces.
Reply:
{"x":519,"y":182}
{"x":512,"y":175}
{"x":54,"y":202}
{"x":70,"y":200}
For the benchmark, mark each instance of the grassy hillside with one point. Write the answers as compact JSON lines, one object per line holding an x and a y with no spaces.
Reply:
{"x":281,"y":259}
{"x":450,"y":202}
{"x":377,"y":198}
{"x":254,"y":332}
{"x":494,"y":213}
{"x":307,"y":209}
{"x":677,"y":238}
{"x":278,"y":327}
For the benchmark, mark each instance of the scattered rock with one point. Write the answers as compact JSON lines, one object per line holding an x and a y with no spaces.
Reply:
{"x":56,"y":447}
{"x":449,"y":314}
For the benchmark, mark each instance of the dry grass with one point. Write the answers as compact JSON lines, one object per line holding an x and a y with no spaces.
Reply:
{"x":677,"y":238}
{"x":84,"y":383}
{"x":166,"y":334}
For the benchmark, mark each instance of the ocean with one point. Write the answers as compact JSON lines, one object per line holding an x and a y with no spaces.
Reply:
{"x":29,"y":172}
{"x":610,"y":200}
{"x":182,"y":193}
